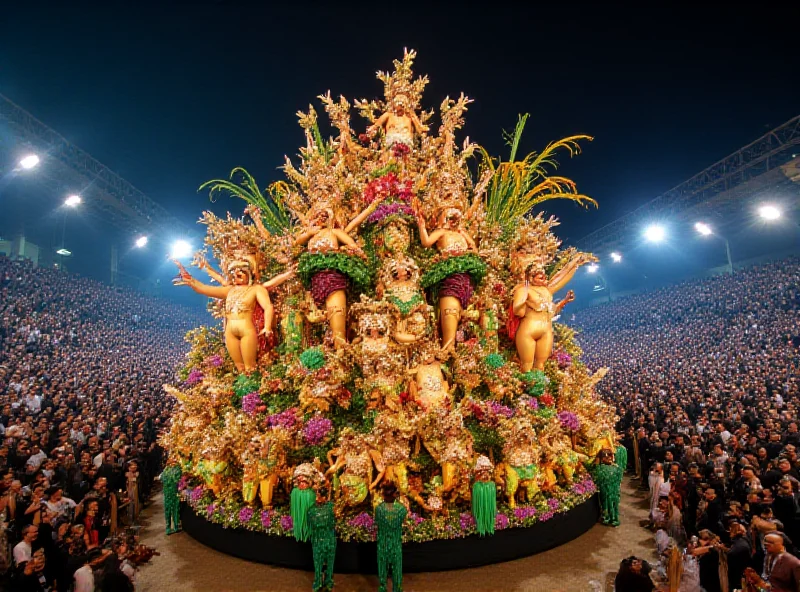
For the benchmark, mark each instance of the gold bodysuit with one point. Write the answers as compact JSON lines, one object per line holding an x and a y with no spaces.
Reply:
{"x":323,"y":241}
{"x":236,"y":302}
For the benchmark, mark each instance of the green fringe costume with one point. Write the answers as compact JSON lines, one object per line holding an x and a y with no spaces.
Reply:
{"x":169,"y":480}
{"x":321,"y":522}
{"x":608,"y":479}
{"x":484,"y":506}
{"x":301,"y":501}
{"x":389,"y":519}
{"x":354,"y":268}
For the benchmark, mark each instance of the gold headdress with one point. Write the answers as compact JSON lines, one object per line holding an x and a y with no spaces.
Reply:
{"x":401,"y":84}
{"x":533,"y":244}
{"x":247,"y":262}
{"x":483,"y":464}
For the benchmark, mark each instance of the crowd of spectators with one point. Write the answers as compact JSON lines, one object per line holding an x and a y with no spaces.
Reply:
{"x":705,"y":378}
{"x":82,"y":366}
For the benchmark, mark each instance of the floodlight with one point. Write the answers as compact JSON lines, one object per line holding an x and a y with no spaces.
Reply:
{"x":29,"y":161}
{"x":703,"y":228}
{"x":655,"y":233}
{"x":73,"y":201}
{"x":616,"y":257}
{"x":64,"y":252}
{"x":141,"y":241}
{"x":592,"y":268}
{"x":769,"y":212}
{"x":181,"y":249}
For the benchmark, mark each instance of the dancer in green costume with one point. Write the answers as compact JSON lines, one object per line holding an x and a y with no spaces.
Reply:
{"x":321,"y":521}
{"x":484,"y":497}
{"x":607,"y":475}
{"x":302,"y":499}
{"x":169,"y":479}
{"x":389,"y":517}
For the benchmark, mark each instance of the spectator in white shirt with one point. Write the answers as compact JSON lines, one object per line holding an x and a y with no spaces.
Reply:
{"x":23,"y":551}
{"x":58,"y":504}
{"x":84,"y":577}
{"x":37,"y":458}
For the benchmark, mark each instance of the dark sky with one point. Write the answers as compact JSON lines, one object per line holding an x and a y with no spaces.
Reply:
{"x":172,"y":96}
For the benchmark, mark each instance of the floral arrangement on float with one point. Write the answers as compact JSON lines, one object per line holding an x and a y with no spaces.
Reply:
{"x":388,"y":314}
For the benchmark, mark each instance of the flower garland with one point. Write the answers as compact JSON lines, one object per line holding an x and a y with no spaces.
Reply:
{"x":468,"y":263}
{"x":353,"y":267}
{"x":361,"y":527}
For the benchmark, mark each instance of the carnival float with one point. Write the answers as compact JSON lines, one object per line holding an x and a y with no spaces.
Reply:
{"x":388,"y":315}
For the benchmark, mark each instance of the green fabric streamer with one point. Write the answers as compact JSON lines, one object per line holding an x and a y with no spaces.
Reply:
{"x":301,"y":501}
{"x":389,"y":520}
{"x":169,"y":480}
{"x":484,"y":506}
{"x":468,"y":263}
{"x":321,"y":524}
{"x":354,"y":268}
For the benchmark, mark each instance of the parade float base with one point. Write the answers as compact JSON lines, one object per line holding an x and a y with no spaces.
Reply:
{"x":435,"y":555}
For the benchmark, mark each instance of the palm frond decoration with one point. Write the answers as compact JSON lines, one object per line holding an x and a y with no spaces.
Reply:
{"x":517,"y":186}
{"x":274,"y":213}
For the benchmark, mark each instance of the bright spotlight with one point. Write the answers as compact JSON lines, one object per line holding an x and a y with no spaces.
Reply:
{"x":29,"y":161}
{"x":616,"y":257}
{"x":592,"y":268}
{"x":769,"y":212}
{"x":73,"y":201}
{"x":64,"y":252}
{"x":703,"y":228}
{"x":181,"y":249}
{"x":655,"y":233}
{"x":141,"y":241}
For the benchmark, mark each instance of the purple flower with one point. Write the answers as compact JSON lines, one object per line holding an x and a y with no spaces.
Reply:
{"x":194,"y":377}
{"x":533,"y":403}
{"x":183,"y":482}
{"x":285,"y":419}
{"x":467,"y":521}
{"x":266,"y":518}
{"x":553,"y":504}
{"x":544,"y":517}
{"x":316,"y":430}
{"x":215,"y":361}
{"x":499,"y":409}
{"x":210,"y":509}
{"x":363,"y":520}
{"x":286,"y":522}
{"x":563,"y":358}
{"x":389,"y":209}
{"x":524,"y":513}
{"x":569,"y":421}
{"x":196,"y":494}
{"x":416,"y":518}
{"x":250,"y":403}
{"x":245,"y":514}
{"x":501,"y":521}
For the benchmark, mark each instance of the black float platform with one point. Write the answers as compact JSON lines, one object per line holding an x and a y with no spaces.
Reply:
{"x":438,"y":555}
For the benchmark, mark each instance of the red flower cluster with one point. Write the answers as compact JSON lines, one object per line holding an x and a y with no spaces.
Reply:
{"x":405,"y":397}
{"x":499,"y":288}
{"x":547,"y":399}
{"x":400,"y":150}
{"x":364,"y":139}
{"x":388,"y":187}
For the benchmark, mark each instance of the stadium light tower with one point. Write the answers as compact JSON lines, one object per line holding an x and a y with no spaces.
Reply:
{"x":181,"y":249}
{"x":655,"y":233}
{"x":705,"y":230}
{"x":592,"y":268}
{"x":141,"y":242}
{"x":29,"y":161}
{"x":73,"y":201}
{"x":616,"y":257}
{"x":769,"y":212}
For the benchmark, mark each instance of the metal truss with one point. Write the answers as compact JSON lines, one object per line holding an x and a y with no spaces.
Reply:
{"x":110,"y":197}
{"x":769,"y":152}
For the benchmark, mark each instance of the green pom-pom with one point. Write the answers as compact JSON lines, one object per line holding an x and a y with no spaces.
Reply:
{"x":535,"y":382}
{"x":312,"y":359}
{"x":494,"y":361}
{"x":245,"y":384}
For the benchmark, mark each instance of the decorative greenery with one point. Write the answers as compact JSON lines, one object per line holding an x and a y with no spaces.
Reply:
{"x":312,"y":359}
{"x":517,"y":186}
{"x":244,"y":385}
{"x":274,"y":213}
{"x":487,"y":440}
{"x":468,"y":263}
{"x":354,"y":268}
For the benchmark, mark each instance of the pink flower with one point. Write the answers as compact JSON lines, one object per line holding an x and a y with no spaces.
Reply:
{"x":501,"y":521}
{"x":266,"y":518}
{"x":245,"y":514}
{"x":316,"y":430}
{"x":251,"y":402}
{"x":286,"y":522}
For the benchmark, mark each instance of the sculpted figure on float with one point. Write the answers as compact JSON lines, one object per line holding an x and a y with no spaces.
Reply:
{"x":532,"y":305}
{"x":241,"y":296}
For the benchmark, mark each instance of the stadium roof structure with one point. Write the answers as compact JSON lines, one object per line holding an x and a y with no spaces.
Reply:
{"x":65,"y":167}
{"x":768,"y":166}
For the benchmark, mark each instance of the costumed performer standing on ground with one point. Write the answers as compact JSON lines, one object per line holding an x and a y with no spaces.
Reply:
{"x":389,"y":517}
{"x":607,"y":474}
{"x":484,"y":496}
{"x":321,"y":523}
{"x":169,"y":480}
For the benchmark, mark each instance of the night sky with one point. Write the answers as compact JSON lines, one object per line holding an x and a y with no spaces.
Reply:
{"x":171,"y":97}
